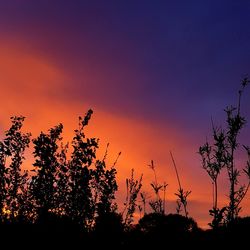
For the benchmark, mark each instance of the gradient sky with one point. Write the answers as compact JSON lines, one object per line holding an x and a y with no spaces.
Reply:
{"x":153,"y":71}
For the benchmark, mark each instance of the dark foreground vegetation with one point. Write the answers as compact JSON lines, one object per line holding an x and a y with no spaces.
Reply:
{"x":67,"y":200}
{"x":154,"y":231}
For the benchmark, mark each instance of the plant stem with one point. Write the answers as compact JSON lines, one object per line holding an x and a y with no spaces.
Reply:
{"x":177,"y":175}
{"x":180,"y":188}
{"x":215,"y":194}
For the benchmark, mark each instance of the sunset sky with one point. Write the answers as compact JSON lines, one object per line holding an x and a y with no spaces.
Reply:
{"x":154,"y":72}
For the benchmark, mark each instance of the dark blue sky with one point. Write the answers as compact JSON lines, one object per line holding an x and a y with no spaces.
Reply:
{"x":167,"y":60}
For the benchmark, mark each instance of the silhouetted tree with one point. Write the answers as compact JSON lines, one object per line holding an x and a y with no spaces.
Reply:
{"x":222,"y":155}
{"x":62,"y":180}
{"x":174,"y":229}
{"x":2,"y":178}
{"x":43,"y":185}
{"x":13,"y":181}
{"x":73,"y":195}
{"x":104,"y":185}
{"x":213,"y":161}
{"x":235,"y":122}
{"x":108,"y":231}
{"x":172,"y":222}
{"x":81,"y":207}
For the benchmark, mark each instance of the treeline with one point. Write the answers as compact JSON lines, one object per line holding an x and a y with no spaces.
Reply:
{"x":69,"y":195}
{"x":79,"y":187}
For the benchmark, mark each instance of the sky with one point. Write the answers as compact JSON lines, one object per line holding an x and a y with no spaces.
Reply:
{"x":154,"y":72}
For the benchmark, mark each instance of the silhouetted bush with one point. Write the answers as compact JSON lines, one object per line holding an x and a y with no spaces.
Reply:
{"x":171,"y":225}
{"x":108,"y":230}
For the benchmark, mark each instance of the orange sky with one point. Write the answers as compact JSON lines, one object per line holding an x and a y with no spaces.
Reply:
{"x":33,"y":86}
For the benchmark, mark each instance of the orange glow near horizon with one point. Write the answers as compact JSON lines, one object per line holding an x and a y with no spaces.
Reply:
{"x":30,"y":87}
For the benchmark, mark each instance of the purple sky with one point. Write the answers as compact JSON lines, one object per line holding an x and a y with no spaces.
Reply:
{"x":162,"y":62}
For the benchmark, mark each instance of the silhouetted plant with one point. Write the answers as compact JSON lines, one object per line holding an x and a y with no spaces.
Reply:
{"x":178,"y":206}
{"x":182,"y":200}
{"x":164,"y":196}
{"x":157,"y":205}
{"x":81,"y":207}
{"x":140,"y":210}
{"x":174,"y":228}
{"x":246,"y":170}
{"x":133,"y":187}
{"x":27,"y":211}
{"x":62,"y":180}
{"x":222,"y":155}
{"x":13,"y":181}
{"x":71,"y":192}
{"x":235,"y":122}
{"x":43,"y":185}
{"x":104,"y":185}
{"x":182,"y":195}
{"x":213,"y":160}
{"x":144,"y":198}
{"x":2,"y":178}
{"x":108,"y":231}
